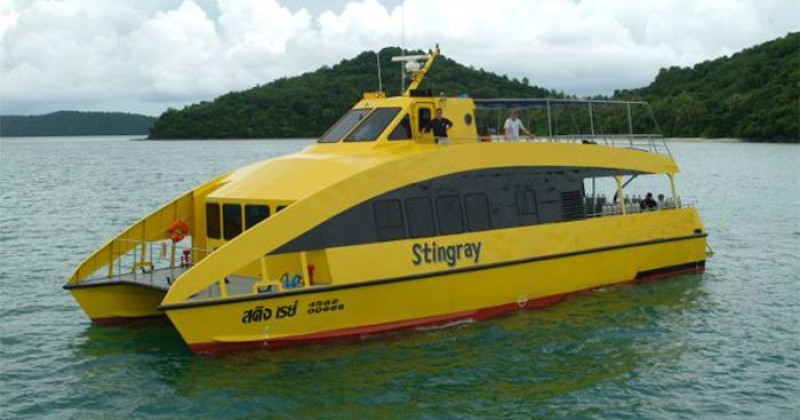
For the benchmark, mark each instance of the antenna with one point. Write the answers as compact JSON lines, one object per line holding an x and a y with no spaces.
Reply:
{"x":380,"y":79}
{"x":402,"y":45}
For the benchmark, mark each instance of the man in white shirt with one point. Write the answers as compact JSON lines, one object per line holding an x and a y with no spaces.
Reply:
{"x":513,"y":125}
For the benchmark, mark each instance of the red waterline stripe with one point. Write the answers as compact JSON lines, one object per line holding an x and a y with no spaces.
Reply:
{"x":438,"y":320}
{"x":123,"y":320}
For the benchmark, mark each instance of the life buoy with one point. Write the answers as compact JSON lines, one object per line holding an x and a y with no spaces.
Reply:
{"x":178,"y":230}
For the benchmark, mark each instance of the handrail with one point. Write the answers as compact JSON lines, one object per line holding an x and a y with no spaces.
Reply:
{"x":653,"y":143}
{"x":152,"y":227}
{"x":147,"y":263}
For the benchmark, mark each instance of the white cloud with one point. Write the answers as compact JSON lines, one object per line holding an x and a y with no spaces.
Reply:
{"x":146,"y":55}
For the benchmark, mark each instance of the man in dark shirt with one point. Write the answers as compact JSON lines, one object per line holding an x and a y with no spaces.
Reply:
{"x":648,"y":203}
{"x":439,"y":125}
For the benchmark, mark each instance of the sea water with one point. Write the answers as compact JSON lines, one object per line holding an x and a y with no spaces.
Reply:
{"x":724,"y":344}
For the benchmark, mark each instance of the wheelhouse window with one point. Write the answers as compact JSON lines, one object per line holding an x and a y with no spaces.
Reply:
{"x":389,"y":220}
{"x":344,"y":125}
{"x":373,"y":125}
{"x":253,"y":214}
{"x":420,"y":217}
{"x":449,"y":214}
{"x":423,"y":118}
{"x":403,"y":130}
{"x":231,"y":220}
{"x":212,"y":220}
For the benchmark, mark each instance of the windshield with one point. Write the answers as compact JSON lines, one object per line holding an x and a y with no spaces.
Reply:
{"x":344,"y":125}
{"x":373,"y":126}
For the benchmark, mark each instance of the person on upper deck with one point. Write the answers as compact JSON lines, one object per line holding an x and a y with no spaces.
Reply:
{"x":648,"y":203}
{"x":439,"y":125}
{"x":513,"y":125}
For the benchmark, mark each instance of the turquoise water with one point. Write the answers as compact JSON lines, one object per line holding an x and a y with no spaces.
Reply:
{"x":725,"y":344}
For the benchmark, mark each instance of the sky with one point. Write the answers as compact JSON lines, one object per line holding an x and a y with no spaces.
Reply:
{"x":145,"y":56}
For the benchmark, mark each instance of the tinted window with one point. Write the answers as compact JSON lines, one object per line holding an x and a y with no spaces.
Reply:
{"x":477,"y":209}
{"x":420,"y":217}
{"x":424,"y":118}
{"x":373,"y":126}
{"x":254,"y":214}
{"x":344,"y":125}
{"x":389,"y":220}
{"x":402,"y":131}
{"x":212,"y":220}
{"x":231,"y":220}
{"x":526,"y":202}
{"x":449,"y":214}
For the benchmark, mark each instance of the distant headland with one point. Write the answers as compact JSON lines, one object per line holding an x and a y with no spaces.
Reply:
{"x":75,"y":123}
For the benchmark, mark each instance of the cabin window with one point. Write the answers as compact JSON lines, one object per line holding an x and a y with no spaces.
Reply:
{"x":450,"y":214}
{"x":212,"y":220}
{"x":424,"y":117}
{"x":526,"y":202}
{"x":420,"y":217}
{"x":374,"y":125}
{"x":403,"y":130}
{"x":231,"y":220}
{"x":253,"y":214}
{"x":389,"y":220}
{"x":477,"y":209}
{"x":344,"y":125}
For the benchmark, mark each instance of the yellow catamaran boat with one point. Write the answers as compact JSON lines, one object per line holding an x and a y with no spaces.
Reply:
{"x":379,"y":226}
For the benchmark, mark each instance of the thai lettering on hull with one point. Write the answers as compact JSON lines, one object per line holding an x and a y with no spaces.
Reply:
{"x":260,"y":313}
{"x":431,"y":253}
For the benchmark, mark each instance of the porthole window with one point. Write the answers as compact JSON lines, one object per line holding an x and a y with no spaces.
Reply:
{"x":468,"y":119}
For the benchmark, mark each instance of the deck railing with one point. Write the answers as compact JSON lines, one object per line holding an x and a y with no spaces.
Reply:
{"x":157,"y":263}
{"x":651,"y":143}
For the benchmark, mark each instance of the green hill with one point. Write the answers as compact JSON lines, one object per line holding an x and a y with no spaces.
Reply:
{"x":753,"y":94}
{"x":306,"y":105}
{"x":74,"y":123}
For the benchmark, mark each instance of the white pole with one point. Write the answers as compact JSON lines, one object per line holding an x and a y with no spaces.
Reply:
{"x":380,"y":80}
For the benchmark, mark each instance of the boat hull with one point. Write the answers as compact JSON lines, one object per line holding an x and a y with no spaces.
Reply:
{"x":114,"y":303}
{"x":339,"y":312}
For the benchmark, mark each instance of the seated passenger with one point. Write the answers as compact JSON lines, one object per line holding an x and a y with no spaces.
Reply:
{"x":661,"y":203}
{"x":648,"y":203}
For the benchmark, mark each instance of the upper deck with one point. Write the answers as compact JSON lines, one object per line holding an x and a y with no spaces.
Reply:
{"x":380,"y":129}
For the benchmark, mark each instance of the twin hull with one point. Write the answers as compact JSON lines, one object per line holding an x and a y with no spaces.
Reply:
{"x":518,"y":268}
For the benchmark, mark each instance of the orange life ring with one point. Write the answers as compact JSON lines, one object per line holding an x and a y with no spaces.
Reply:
{"x":178,"y":230}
